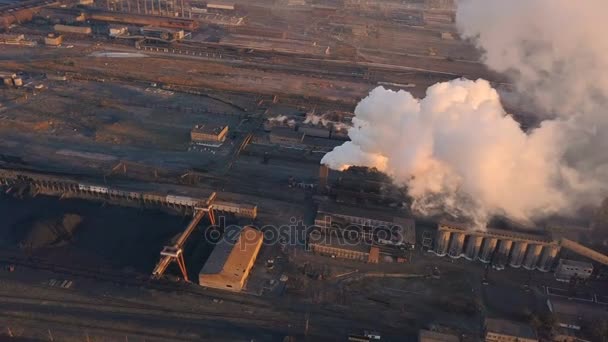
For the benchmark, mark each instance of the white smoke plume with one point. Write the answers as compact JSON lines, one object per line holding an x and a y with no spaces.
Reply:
{"x":460,"y":153}
{"x":325,"y":121}
{"x":281,"y":119}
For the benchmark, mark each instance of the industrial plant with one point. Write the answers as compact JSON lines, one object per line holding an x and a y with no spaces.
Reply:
{"x":291,"y":170}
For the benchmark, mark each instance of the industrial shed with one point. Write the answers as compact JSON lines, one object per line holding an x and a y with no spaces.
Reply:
{"x":230,"y":263}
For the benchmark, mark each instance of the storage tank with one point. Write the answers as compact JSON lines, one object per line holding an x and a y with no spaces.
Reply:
{"x":518,"y":253}
{"x":456,"y":244}
{"x":504,"y":247}
{"x":532,"y":255}
{"x":473,"y":247}
{"x":487,"y":249}
{"x":547,"y":257}
{"x":441,"y":242}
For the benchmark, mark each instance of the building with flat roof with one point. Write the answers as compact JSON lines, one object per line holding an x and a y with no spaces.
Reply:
{"x":501,"y":330}
{"x":232,"y":259}
{"x":433,"y":336}
{"x":53,"y":39}
{"x":286,"y":136}
{"x":340,"y":247}
{"x":387,"y":228}
{"x":574,"y":315}
{"x":567,"y":269}
{"x":209,"y":133}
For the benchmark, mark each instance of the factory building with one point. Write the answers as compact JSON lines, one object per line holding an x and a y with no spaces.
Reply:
{"x":375,"y":226}
{"x":500,"y":330}
{"x":232,"y":259}
{"x":496,"y":246}
{"x":202,"y":134}
{"x":341,"y":251}
{"x":567,"y":269}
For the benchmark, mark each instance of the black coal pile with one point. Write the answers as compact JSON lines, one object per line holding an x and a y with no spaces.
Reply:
{"x":49,"y":232}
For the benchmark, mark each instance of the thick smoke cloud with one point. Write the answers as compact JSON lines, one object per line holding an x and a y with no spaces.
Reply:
{"x":554,"y":50}
{"x":457,"y":151}
{"x":460,"y":153}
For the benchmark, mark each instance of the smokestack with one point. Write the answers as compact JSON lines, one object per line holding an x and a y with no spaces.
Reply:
{"x":323,"y":175}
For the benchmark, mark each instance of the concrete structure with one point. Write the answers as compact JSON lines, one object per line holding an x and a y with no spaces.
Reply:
{"x":499,"y":330}
{"x":567,"y":269}
{"x":473,"y":246}
{"x":53,"y":39}
{"x":547,"y":258}
{"x":487,"y":250}
{"x":209,"y":133}
{"x":532,"y":256}
{"x":517,"y":254}
{"x":232,"y":259}
{"x":286,"y":136}
{"x":501,"y":259}
{"x":433,"y":336}
{"x":498,"y":246}
{"x":456,"y":244}
{"x":441,"y":242}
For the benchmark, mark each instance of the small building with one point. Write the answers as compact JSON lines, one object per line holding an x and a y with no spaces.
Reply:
{"x":500,"y":330}
{"x":231,"y":260}
{"x":117,"y":30}
{"x":209,"y":133}
{"x":286,"y":136}
{"x":53,"y":39}
{"x":433,"y":336}
{"x":566,"y":269}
